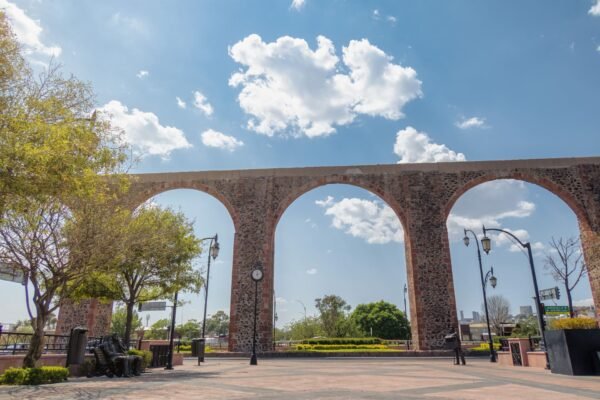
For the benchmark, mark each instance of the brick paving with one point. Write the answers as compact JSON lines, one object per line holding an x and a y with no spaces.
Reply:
{"x":331,"y":379}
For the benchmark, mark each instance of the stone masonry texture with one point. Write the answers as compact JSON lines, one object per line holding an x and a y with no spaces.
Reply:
{"x":422,"y":196}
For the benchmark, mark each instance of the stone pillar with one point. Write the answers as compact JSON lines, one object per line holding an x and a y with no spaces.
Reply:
{"x":590,"y":242}
{"x":253,"y":244}
{"x":429,"y":275}
{"x":92,"y":314}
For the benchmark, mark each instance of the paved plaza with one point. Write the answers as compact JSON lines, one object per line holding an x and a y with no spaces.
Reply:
{"x":349,"y":378}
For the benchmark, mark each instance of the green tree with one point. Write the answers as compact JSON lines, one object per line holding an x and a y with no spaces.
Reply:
{"x":526,"y":327}
{"x":383,"y":318}
{"x":119,"y":321}
{"x":154,"y":260}
{"x":189,"y":330}
{"x":53,"y":152}
{"x":306,"y":328}
{"x":332,"y":312}
{"x":158,"y":330}
{"x":217,"y":324}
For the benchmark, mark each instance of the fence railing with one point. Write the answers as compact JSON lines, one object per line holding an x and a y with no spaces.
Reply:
{"x":19,"y":343}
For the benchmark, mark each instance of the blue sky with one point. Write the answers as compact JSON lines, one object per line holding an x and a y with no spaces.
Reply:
{"x":206,"y":85}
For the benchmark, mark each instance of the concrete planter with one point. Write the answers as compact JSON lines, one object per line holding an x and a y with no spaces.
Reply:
{"x":574,"y":351}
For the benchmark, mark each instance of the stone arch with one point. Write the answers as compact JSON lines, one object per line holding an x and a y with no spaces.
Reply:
{"x":565,"y":195}
{"x":312,"y":184}
{"x":140,"y":193}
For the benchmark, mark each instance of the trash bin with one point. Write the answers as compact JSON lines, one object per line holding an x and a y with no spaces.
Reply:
{"x":451,"y":341}
{"x":195,"y":347}
{"x":77,"y":346}
{"x":201,"y":346}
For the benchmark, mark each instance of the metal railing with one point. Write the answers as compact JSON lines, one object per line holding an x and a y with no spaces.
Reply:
{"x":19,"y":342}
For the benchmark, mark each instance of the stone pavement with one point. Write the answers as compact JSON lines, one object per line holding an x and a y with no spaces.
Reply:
{"x":331,"y":379}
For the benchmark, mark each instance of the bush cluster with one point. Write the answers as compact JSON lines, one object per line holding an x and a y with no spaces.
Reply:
{"x":185,"y":348}
{"x":34,"y":376}
{"x":338,"y":341}
{"x":574,"y":323}
{"x":145,"y":354}
{"x":341,"y":347}
{"x":485,"y":347}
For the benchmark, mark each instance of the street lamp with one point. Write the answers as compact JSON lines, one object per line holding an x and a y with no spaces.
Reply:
{"x":172,"y":333}
{"x":493,"y":281}
{"x":257,"y":276}
{"x":487,"y":246}
{"x":405,"y":290}
{"x":213,"y":253}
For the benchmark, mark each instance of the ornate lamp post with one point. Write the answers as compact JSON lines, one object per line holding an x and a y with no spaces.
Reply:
{"x":484,"y":280}
{"x":486,"y":243}
{"x":213,"y":253}
{"x":257,"y":276}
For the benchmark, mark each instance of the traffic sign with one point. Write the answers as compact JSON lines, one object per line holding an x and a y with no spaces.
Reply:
{"x":556,"y":310}
{"x":153,"y":306}
{"x":549,"y":294}
{"x":10,"y":274}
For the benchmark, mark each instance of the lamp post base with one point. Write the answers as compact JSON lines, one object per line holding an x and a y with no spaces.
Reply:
{"x":253,"y":360}
{"x":493,"y":357}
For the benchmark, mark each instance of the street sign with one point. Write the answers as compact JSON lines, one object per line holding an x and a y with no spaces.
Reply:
{"x":153,"y":306}
{"x":556,"y":310}
{"x":549,"y":294}
{"x":7,"y":273}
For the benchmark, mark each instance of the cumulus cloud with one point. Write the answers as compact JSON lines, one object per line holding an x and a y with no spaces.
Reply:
{"x":202,"y":104}
{"x":28,"y":31}
{"x":142,"y":74}
{"x":288,"y":87}
{"x":325,"y":203}
{"x":298,"y":4}
{"x":130,"y":24}
{"x":372,"y":221}
{"x":311,"y":271}
{"x":473,"y":122}
{"x":212,"y":138}
{"x":595,"y":10}
{"x":416,"y":147}
{"x":180,"y":103}
{"x":584,"y":303}
{"x":143,"y":130}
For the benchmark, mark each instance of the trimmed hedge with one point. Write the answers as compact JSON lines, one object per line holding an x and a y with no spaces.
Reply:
{"x":341,"y":347}
{"x":574,"y":323}
{"x":34,"y":376}
{"x":345,"y":341}
{"x":145,"y":354}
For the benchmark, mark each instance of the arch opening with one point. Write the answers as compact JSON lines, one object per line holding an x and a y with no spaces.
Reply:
{"x":336,"y":239}
{"x":533,"y":213}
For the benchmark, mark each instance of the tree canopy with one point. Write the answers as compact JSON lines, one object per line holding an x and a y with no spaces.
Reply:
{"x":383,"y":319}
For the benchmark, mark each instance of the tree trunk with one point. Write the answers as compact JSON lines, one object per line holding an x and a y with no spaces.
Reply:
{"x":128,"y":323}
{"x":37,"y":343}
{"x":570,"y":300}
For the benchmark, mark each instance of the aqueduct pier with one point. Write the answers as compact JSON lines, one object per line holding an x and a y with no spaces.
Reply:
{"x":422,"y":196}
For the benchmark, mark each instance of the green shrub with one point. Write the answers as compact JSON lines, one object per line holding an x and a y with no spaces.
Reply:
{"x":485,"y":347}
{"x":308,"y":347}
{"x":145,"y":354}
{"x":34,"y":376}
{"x":333,"y":341}
{"x":185,"y":348}
{"x":574,"y":323}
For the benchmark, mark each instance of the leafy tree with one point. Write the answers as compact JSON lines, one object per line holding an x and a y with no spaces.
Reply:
{"x":526,"y":327}
{"x":566,"y":265}
{"x":332,"y":312}
{"x":119,"y":321}
{"x":154,"y":260}
{"x":53,"y":152}
{"x":306,"y":328}
{"x":498,"y":311}
{"x":217,"y":324}
{"x":23,"y":326}
{"x":159,"y":330}
{"x":385,"y":319}
{"x":189,"y":330}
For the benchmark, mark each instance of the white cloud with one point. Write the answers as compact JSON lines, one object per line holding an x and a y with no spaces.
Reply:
{"x":584,"y":303}
{"x":311,"y":271}
{"x":288,"y":87}
{"x":325,"y":203}
{"x":376,"y":15}
{"x":144,"y":131}
{"x":131,"y":24}
{"x":281,"y":300}
{"x":212,"y":138}
{"x":298,"y":4}
{"x":202,"y":104}
{"x":598,"y":49}
{"x":473,"y":122}
{"x":180,"y":103}
{"x":416,"y":147}
{"x":28,"y":31}
{"x":595,"y":10}
{"x":391,"y":19}
{"x":372,"y":221}
{"x":142,"y":74}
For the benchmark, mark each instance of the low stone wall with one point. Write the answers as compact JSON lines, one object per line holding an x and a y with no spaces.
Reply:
{"x":537,"y":359}
{"x":47,"y":360}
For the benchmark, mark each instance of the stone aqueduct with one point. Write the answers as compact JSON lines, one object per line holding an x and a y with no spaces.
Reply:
{"x":422,"y":196}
